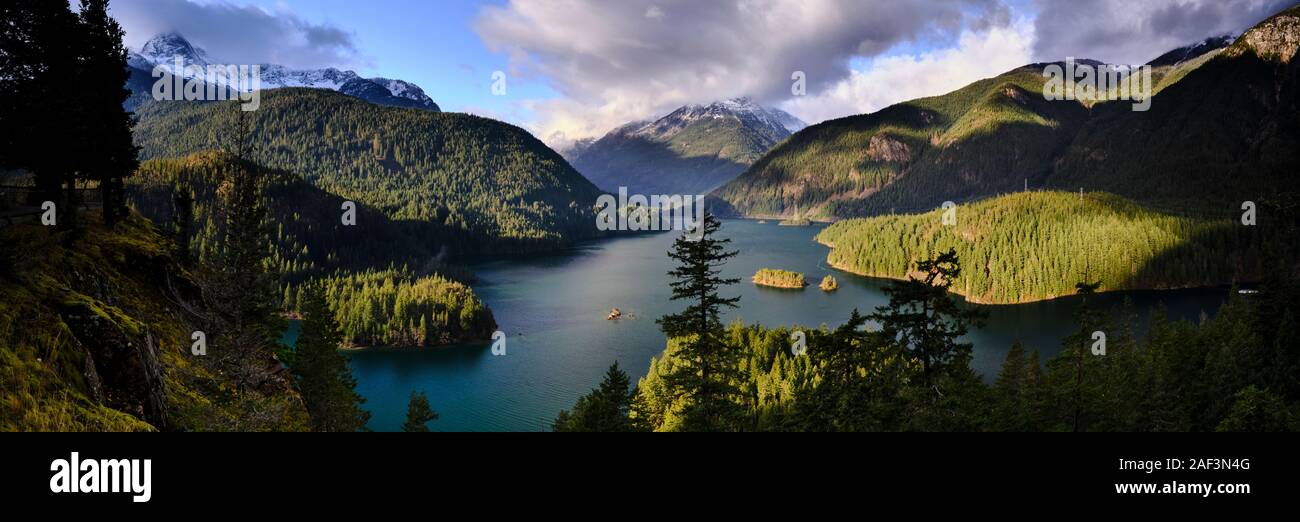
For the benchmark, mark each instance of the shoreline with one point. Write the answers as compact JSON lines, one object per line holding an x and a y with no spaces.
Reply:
{"x":981,"y":302}
{"x":781,"y":287}
{"x":357,"y":348}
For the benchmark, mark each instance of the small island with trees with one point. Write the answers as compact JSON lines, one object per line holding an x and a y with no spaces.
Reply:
{"x":829,"y":284}
{"x":779,"y":278}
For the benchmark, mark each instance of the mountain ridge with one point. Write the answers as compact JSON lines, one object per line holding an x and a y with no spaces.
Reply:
{"x":691,"y":150}
{"x":1001,"y":135}
{"x":162,"y":49}
{"x":480,"y":186}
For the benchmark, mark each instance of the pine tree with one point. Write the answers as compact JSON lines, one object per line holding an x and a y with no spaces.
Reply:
{"x":324,"y":379}
{"x":183,"y":222}
{"x":112,"y":155}
{"x":605,"y":409}
{"x":1089,"y":320}
{"x":418,"y":414}
{"x":1035,"y":399}
{"x":1010,"y":408}
{"x":857,"y":382}
{"x":38,"y":94}
{"x":705,"y":379}
{"x":244,"y":289}
{"x":1255,"y":410}
{"x":925,"y":320}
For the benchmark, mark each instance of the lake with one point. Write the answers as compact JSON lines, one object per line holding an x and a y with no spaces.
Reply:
{"x":559,"y":344}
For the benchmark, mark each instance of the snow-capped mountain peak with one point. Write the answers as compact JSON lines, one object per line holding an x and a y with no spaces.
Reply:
{"x":691,"y":150}
{"x":1183,"y":54}
{"x":163,"y":49}
{"x":404,"y":89}
{"x":743,"y":109}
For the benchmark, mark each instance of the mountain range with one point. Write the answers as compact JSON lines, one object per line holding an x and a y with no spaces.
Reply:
{"x":691,"y":150}
{"x":1223,"y":127}
{"x":463,"y":183}
{"x":163,"y":49}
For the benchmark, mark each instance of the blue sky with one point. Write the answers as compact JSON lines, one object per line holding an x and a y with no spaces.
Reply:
{"x":431,"y":43}
{"x":577,"y":68}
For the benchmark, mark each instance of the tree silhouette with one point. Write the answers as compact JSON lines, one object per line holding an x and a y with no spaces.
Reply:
{"x":709,"y":367}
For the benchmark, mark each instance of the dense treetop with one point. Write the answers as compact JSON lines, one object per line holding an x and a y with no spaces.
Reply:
{"x":1037,"y":245}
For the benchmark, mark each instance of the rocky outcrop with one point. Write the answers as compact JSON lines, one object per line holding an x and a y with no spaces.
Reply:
{"x":123,"y":369}
{"x":1277,"y":38}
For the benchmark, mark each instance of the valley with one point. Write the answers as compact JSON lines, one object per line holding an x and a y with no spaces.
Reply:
{"x":354,"y":254}
{"x":690,"y":151}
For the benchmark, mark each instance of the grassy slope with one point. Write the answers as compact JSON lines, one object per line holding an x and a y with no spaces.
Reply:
{"x":1037,"y":245}
{"x":116,"y":281}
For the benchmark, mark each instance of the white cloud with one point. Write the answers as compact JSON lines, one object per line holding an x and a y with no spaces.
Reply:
{"x":611,"y":65}
{"x":897,"y":78}
{"x":240,"y":33}
{"x":1129,"y":32}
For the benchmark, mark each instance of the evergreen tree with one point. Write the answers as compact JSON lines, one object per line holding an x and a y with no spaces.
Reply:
{"x":1010,"y":392}
{"x":245,"y":290}
{"x":1079,"y":346}
{"x":324,"y":379}
{"x":1032,"y":393}
{"x":857,"y":382}
{"x":709,"y":368}
{"x":925,"y":320}
{"x":418,"y":414}
{"x":183,"y":222}
{"x":605,"y":409}
{"x":112,"y":156}
{"x":1256,"y":410}
{"x":39,"y":94}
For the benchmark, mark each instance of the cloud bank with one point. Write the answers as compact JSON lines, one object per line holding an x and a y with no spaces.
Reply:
{"x":614,"y":62}
{"x":894,"y":79}
{"x":1133,"y":32}
{"x":240,"y":34}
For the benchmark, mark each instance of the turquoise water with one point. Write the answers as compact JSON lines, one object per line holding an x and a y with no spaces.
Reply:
{"x":553,"y":308}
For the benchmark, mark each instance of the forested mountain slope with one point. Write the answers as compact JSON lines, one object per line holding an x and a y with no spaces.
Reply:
{"x":692,"y":150}
{"x":1036,"y":245}
{"x":387,"y":282}
{"x":985,"y":138}
{"x":1228,"y":131}
{"x":504,"y":189}
{"x":1223,"y":127}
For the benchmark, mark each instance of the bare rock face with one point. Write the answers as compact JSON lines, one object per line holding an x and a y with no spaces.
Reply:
{"x":122,"y":367}
{"x":1277,"y":38}
{"x":884,"y":148}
